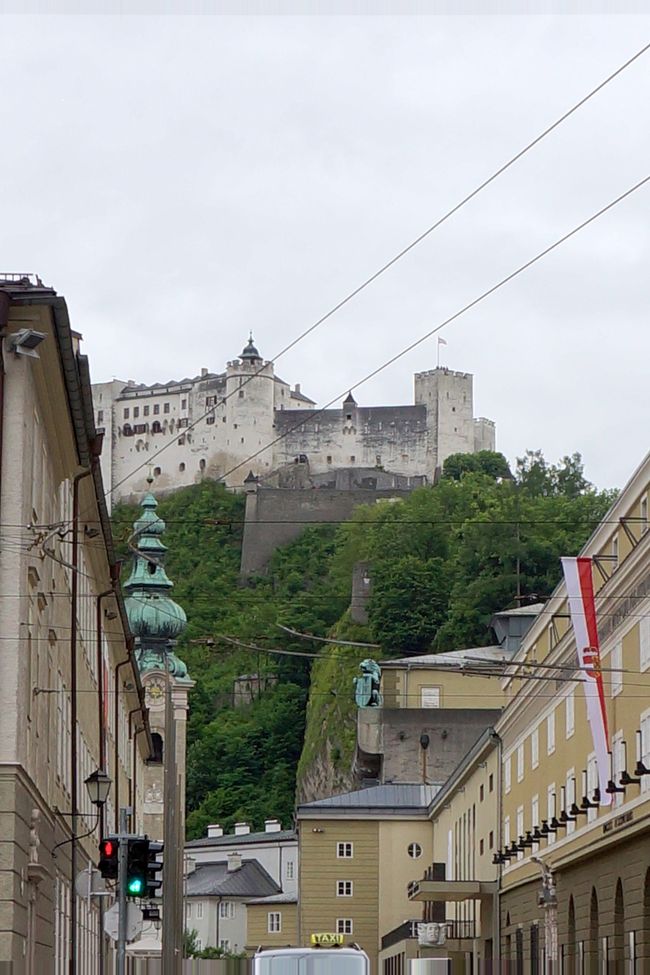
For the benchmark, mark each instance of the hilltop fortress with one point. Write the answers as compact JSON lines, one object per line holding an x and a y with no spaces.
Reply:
{"x":239,"y":416}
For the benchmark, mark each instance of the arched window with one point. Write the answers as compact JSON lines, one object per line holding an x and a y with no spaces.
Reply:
{"x":127,"y":430}
{"x":157,"y":755}
{"x":157,"y":472}
{"x":593,"y":968}
{"x":181,"y":467}
{"x":202,"y":464}
{"x":618,"y":947}
{"x":156,"y":427}
{"x":571,"y":939}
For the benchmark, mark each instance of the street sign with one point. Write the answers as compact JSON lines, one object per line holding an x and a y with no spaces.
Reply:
{"x":133,"y":922}
{"x":89,"y":882}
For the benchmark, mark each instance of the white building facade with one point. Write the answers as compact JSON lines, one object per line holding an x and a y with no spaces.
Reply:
{"x":224,"y":425}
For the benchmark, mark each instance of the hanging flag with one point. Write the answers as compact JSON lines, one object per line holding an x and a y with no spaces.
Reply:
{"x":580,"y":590}
{"x":442,"y":341}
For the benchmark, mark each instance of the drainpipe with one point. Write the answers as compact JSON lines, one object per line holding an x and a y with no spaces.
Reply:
{"x":101,"y":730}
{"x":133,"y":735}
{"x":73,"y":714}
{"x":116,"y":722}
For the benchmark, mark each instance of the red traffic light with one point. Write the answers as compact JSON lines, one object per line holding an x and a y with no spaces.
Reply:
{"x":108,"y":853}
{"x":108,"y":848}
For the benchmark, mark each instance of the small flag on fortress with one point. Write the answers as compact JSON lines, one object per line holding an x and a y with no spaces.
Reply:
{"x":442,"y":341}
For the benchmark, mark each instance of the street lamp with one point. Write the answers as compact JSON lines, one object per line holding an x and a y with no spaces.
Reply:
{"x":98,"y":785}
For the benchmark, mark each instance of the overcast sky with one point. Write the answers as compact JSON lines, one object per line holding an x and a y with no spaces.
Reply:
{"x":182,"y":180}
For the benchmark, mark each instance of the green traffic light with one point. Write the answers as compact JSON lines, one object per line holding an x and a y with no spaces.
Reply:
{"x":135,"y":886}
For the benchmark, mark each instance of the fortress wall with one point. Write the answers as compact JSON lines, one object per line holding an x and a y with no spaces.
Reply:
{"x":275,"y":517}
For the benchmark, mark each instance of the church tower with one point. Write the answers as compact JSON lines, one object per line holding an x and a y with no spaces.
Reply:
{"x":156,"y":622}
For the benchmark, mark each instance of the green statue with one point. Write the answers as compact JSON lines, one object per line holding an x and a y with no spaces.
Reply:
{"x":367,"y":688}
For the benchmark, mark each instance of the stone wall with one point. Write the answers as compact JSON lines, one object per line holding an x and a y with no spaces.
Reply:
{"x":275,"y":517}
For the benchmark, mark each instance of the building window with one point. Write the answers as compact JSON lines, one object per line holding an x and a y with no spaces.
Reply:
{"x":199,"y":944}
{"x":506,"y":831}
{"x":199,"y":910}
{"x":491,"y":783}
{"x":183,"y":422}
{"x":126,"y":413}
{"x":618,"y":764}
{"x":481,"y":847}
{"x":140,"y":428}
{"x":344,"y":888}
{"x":481,"y":793}
{"x":227,"y":909}
{"x":344,"y":925}
{"x":352,"y":459}
{"x":520,"y":763}
{"x":165,"y":407}
{"x":136,"y":411}
{"x":188,"y":912}
{"x":570,"y":797}
{"x":328,"y":459}
{"x":616,"y":663}
{"x":534,"y":748}
{"x":183,"y":404}
{"x":507,"y":774}
{"x":181,"y":467}
{"x":344,"y":851}
{"x":644,"y":642}
{"x":534,"y":816}
{"x":100,"y":416}
{"x":156,"y":409}
{"x":224,"y":944}
{"x":157,"y":472}
{"x":127,"y":430}
{"x":290,"y":870}
{"x":241,"y":394}
{"x":550,"y":733}
{"x":570,"y":713}
{"x":430,"y":697}
{"x":202,"y":464}
{"x":520,"y":829}
{"x":415,"y":851}
{"x":145,"y":411}
{"x":491,"y":843}
{"x":210,"y":419}
{"x":550,"y":810}
{"x":156,"y":427}
{"x":275,"y":922}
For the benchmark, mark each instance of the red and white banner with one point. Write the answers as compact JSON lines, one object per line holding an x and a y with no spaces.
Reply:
{"x":580,"y":590}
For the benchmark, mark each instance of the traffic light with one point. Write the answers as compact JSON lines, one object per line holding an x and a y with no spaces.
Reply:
{"x":154,"y":866}
{"x":136,"y":869}
{"x":108,"y":854}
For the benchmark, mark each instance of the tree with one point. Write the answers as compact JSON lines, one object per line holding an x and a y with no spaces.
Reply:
{"x":488,"y":462}
{"x":408,"y":602}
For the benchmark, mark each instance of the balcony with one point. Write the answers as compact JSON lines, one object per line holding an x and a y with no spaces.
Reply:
{"x":408,"y":931}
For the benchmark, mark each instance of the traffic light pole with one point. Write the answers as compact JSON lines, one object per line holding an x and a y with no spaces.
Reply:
{"x":123,"y":860}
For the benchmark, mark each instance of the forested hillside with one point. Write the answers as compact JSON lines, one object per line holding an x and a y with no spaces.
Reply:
{"x":442,"y":562}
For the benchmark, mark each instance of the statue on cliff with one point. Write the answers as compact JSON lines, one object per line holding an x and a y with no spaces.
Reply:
{"x":367,"y":688}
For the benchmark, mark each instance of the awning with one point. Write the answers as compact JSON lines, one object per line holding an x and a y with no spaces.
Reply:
{"x":451,"y":890}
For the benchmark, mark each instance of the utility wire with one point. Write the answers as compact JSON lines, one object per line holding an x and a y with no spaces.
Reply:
{"x":443,"y":324}
{"x":402,"y":253}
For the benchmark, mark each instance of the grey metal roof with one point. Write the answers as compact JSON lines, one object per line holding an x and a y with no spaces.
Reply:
{"x":388,"y":796}
{"x":453,"y":658}
{"x":533,"y":610}
{"x":282,"y":898}
{"x":244,"y":839}
{"x":215,"y":880}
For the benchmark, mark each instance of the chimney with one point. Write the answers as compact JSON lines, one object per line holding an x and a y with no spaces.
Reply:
{"x":272,"y":826}
{"x":215,"y":830}
{"x":204,"y":371}
{"x":241,"y":829}
{"x":234,"y":862}
{"x":190,"y":865}
{"x":297,"y":388}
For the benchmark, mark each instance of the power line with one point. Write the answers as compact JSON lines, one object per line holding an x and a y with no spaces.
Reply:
{"x":443,"y":324}
{"x":402,"y":253}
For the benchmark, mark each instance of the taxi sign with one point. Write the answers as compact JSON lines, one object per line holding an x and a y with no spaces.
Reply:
{"x":325,"y":940}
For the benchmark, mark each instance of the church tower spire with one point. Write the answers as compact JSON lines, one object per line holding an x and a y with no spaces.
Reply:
{"x":156,"y":620}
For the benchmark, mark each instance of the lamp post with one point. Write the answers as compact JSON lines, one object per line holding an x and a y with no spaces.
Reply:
{"x":98,"y":785}
{"x":547,"y":900}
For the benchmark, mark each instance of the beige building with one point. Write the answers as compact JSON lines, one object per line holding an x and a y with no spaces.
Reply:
{"x":573,"y":872}
{"x":70,"y":692}
{"x":358,"y":853}
{"x":272,"y":922}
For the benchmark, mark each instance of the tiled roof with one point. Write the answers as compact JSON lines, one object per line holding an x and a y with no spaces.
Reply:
{"x":244,"y":839}
{"x":215,"y":880}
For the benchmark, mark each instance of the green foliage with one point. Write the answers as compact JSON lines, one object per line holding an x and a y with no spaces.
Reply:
{"x":443,"y":561}
{"x":487,"y":462}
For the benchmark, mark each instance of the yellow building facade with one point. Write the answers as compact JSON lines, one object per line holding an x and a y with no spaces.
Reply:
{"x":358,"y":853}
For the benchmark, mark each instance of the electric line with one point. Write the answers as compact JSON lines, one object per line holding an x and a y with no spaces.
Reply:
{"x":402,"y":253}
